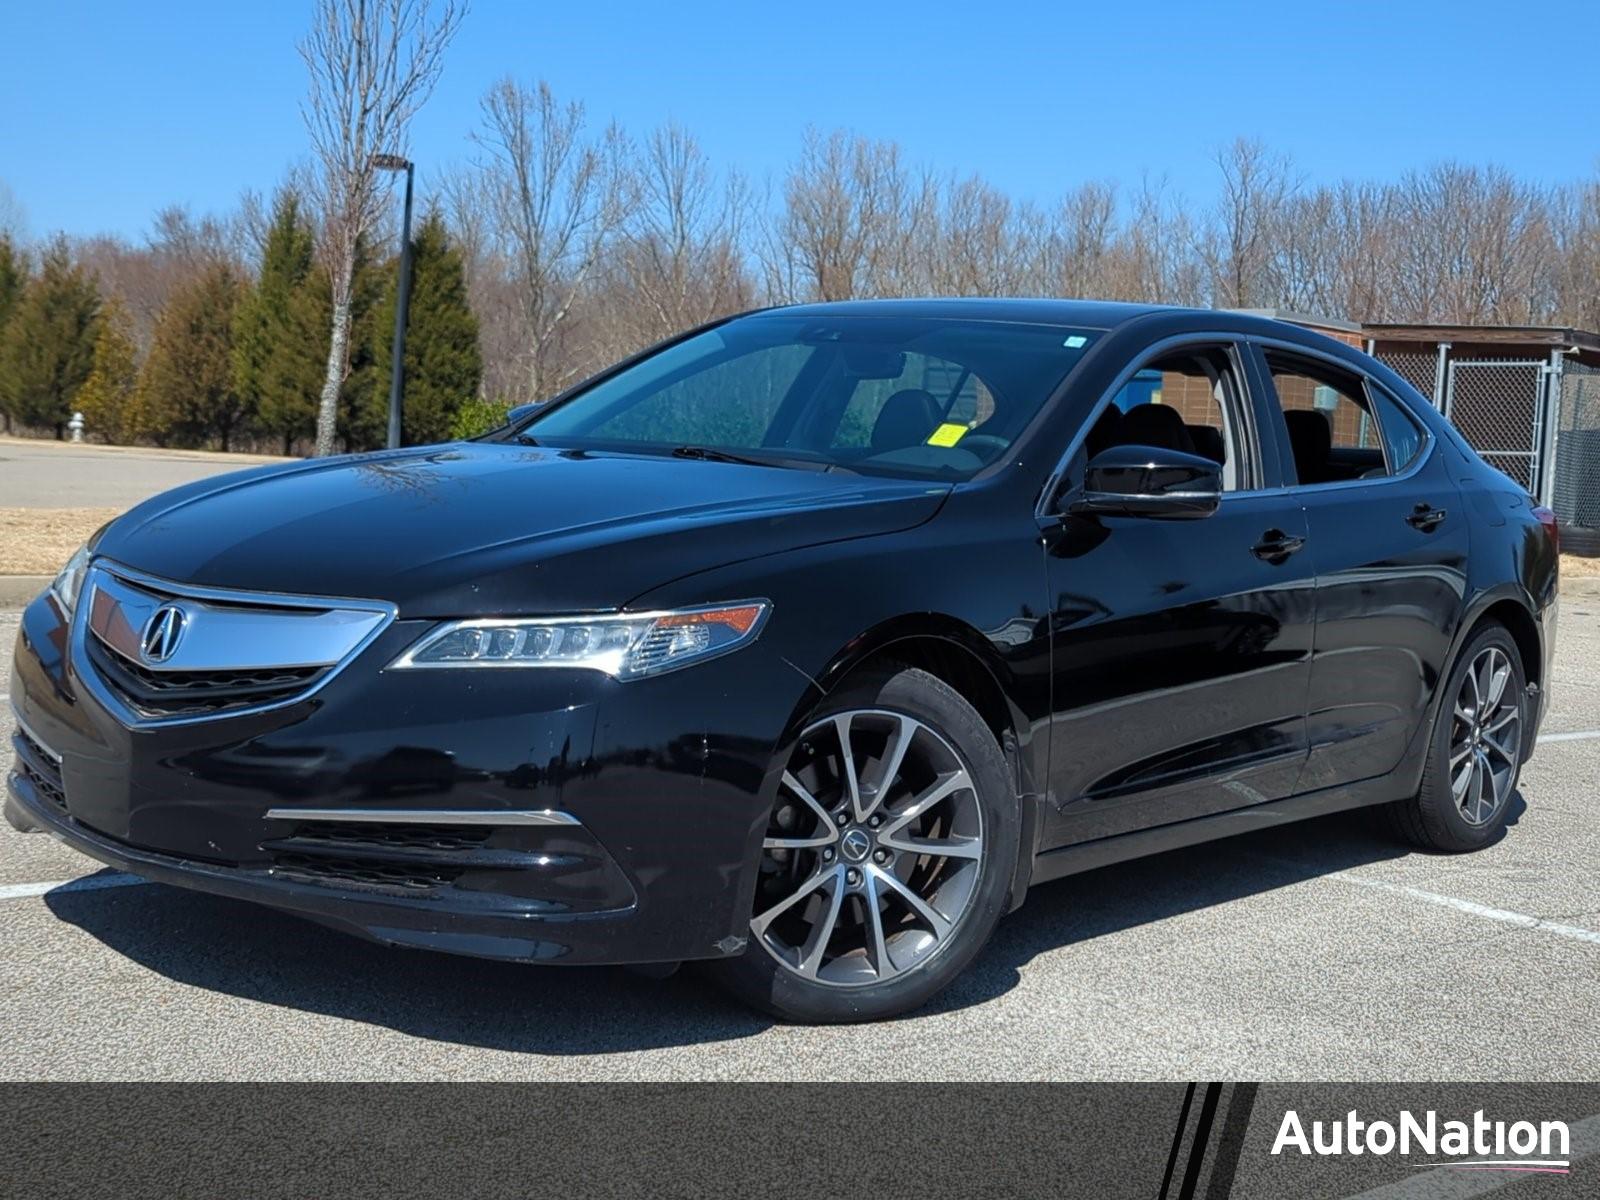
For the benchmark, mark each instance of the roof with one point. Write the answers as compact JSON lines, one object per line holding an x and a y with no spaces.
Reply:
{"x":1106,"y":315}
{"x":1085,"y":314}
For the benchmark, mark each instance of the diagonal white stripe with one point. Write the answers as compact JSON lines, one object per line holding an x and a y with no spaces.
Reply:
{"x":1576,"y":932}
{"x":88,"y":883}
{"x":1581,"y":735}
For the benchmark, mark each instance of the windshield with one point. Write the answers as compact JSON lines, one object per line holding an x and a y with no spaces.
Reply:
{"x":927,"y":397}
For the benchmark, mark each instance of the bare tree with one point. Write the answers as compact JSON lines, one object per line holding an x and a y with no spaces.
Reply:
{"x":978,"y":249}
{"x":680,"y":249}
{"x":558,"y":198}
{"x":13,"y":217}
{"x":1576,"y":228}
{"x":1079,"y":243}
{"x":850,"y":220}
{"x":1237,"y":249}
{"x":372,"y":64}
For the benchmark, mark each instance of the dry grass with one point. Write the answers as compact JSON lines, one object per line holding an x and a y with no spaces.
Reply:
{"x":36,"y":541}
{"x":1573,"y":567}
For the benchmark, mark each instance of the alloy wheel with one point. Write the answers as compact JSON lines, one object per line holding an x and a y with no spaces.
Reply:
{"x":1485,"y":738}
{"x":872,"y":853}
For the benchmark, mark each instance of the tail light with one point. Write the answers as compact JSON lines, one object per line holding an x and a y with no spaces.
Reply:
{"x":1548,"y":520}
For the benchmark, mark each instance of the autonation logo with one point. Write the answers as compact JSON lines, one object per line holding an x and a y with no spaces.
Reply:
{"x":1476,"y":1145}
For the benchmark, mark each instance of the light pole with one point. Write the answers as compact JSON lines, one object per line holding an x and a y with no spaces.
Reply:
{"x":395,"y":162}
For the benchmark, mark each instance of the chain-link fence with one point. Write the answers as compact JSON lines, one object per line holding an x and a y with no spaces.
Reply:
{"x":1496,"y":404}
{"x":1419,"y":370}
{"x":1575,"y":496}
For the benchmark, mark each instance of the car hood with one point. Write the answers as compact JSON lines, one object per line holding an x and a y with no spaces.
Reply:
{"x":480,"y":527}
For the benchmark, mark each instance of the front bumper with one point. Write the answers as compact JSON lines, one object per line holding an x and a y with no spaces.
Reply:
{"x":654,"y":820}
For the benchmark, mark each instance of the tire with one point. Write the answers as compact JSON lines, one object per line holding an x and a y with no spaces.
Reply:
{"x":1443,"y":816}
{"x":818,"y":960}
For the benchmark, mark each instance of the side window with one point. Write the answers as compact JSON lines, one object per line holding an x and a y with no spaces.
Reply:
{"x":1189,"y":400}
{"x":1400,"y":430}
{"x":945,"y":391}
{"x":1333,"y":434}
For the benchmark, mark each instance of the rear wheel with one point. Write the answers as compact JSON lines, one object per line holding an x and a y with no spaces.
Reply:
{"x":887,"y":856}
{"x":1476,"y":751}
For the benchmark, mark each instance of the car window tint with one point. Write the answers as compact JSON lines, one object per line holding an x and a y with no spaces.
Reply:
{"x":931,"y":396}
{"x":1350,"y":424}
{"x":1199,"y":389}
{"x":1332,"y":434}
{"x":955,"y":392}
{"x":1400,"y":431}
{"x":729,"y":403}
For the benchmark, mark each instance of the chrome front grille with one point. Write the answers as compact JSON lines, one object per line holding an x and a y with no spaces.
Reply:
{"x":161,"y":652}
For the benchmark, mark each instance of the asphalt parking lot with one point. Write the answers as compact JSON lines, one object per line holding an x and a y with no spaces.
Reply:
{"x":1321,"y":951}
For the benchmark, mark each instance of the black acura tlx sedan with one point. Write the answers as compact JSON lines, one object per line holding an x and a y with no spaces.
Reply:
{"x":803,"y":644}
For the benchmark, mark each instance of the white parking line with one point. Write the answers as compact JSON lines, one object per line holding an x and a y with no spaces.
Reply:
{"x":1576,"y":932}
{"x":1582,"y":735}
{"x":88,"y":883}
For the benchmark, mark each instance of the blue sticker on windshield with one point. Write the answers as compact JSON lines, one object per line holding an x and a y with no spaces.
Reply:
{"x":1075,"y":341}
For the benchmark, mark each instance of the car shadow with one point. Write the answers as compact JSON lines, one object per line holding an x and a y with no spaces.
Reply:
{"x":258,"y":954}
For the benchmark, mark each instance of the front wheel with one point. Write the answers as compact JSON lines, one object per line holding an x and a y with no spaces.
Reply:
{"x":887,"y":857}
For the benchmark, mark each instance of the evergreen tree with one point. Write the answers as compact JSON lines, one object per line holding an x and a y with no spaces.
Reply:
{"x":186,"y":392}
{"x":47,"y":346}
{"x":443,"y":367}
{"x":280,"y":332}
{"x":107,"y":394}
{"x":13,"y":279}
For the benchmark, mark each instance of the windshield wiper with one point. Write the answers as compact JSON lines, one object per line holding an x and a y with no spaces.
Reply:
{"x":526,"y":439}
{"x":707,"y":454}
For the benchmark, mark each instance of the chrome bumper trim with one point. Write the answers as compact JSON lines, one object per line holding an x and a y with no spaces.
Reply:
{"x":428,"y":816}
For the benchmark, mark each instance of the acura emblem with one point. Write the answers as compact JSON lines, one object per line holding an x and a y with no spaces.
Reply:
{"x":162,"y":633}
{"x":855,"y":845}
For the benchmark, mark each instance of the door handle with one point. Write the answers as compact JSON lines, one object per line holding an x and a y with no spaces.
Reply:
{"x":1276,"y":545}
{"x":1426,"y":517}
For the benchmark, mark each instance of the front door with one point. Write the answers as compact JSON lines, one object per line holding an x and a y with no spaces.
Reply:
{"x":1180,"y":650}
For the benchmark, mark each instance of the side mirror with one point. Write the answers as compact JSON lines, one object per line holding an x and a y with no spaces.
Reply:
{"x":520,"y":413}
{"x":1148,"y":481}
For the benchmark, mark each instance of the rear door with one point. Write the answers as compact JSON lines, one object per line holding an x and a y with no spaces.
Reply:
{"x":1180,"y":650}
{"x":1388,"y":537}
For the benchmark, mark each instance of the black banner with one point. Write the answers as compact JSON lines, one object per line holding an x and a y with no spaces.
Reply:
{"x":1153,"y":1141}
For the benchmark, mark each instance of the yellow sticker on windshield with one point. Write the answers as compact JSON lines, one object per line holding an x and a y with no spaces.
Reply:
{"x":947,"y":435}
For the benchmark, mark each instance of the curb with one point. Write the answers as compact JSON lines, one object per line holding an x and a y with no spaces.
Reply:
{"x":18,"y":591}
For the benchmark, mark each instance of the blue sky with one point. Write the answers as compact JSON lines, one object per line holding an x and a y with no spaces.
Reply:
{"x":109,"y":111}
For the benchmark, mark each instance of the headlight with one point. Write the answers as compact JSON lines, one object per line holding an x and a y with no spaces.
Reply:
{"x":625,"y":646}
{"x":69,"y":582}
